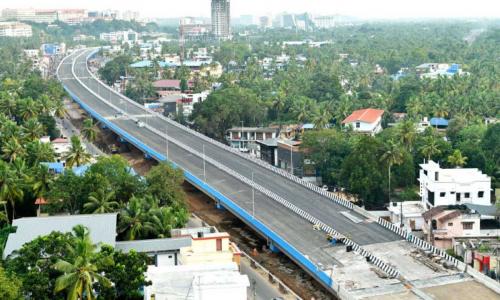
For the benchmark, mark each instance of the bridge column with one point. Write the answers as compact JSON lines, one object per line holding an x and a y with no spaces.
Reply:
{"x":219,"y":206}
{"x":273,"y":248}
{"x":147,"y":156}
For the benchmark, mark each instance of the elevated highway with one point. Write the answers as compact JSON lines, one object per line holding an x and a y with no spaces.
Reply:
{"x":277,"y":205}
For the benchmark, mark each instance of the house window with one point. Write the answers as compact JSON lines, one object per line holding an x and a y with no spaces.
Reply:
{"x":467,"y":195}
{"x":458,"y":197}
{"x":450,"y":224}
{"x":436,"y":176}
{"x":467,"y":225}
{"x":358,"y":125}
{"x":442,"y":195}
{"x":218,"y":245}
{"x":425,"y":172}
{"x":480,"y":194}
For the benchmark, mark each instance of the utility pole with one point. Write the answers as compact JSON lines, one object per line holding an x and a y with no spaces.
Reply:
{"x":241,"y":137}
{"x":291,"y":157}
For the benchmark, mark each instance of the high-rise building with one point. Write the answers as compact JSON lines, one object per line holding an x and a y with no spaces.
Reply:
{"x":221,"y":19}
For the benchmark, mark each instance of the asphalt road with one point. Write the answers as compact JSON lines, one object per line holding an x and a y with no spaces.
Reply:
{"x":284,"y":222}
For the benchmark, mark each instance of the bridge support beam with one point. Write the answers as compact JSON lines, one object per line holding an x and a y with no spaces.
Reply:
{"x":219,"y":206}
{"x":273,"y":248}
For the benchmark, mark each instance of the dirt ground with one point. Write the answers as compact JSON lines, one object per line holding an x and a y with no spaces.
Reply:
{"x":204,"y":207}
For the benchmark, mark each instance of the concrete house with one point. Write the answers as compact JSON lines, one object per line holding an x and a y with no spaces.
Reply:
{"x":367,"y":121}
{"x":440,"y":186}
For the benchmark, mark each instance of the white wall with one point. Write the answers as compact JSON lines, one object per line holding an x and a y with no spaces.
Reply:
{"x":374,"y":127}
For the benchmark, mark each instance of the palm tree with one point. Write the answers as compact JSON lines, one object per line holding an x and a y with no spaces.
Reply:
{"x":457,"y":159}
{"x":79,"y":274}
{"x":32,"y":129}
{"x":441,"y":109}
{"x":40,"y":152}
{"x":430,"y":147}
{"x":302,"y":109}
{"x":135,"y":219}
{"x":77,"y":154}
{"x":101,"y":202}
{"x":12,"y":150}
{"x":28,"y":109}
{"x":322,"y":117}
{"x":59,"y":109}
{"x":392,"y":156}
{"x":89,"y":130}
{"x":41,"y":181}
{"x":279,"y":104}
{"x":407,"y":134}
{"x":10,"y":187}
{"x":8,"y":104}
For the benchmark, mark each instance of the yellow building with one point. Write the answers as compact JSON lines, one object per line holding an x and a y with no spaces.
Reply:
{"x":210,"y":248}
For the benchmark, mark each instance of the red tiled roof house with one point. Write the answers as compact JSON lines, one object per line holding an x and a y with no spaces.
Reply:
{"x":368,"y":121}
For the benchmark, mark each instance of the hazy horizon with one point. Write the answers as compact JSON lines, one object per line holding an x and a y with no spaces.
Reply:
{"x":381,"y":9}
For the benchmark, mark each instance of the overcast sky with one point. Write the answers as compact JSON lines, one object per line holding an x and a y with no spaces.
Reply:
{"x":392,"y":9}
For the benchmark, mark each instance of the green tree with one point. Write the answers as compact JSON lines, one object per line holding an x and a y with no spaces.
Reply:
{"x":322,"y":117}
{"x":457,"y":159}
{"x":430,"y":147}
{"x":10,"y":286}
{"x":164,"y":182}
{"x":41,"y":181}
{"x":11,"y":190}
{"x":135,"y":220}
{"x":101,"y":202}
{"x":32,"y":130}
{"x":89,"y":130}
{"x":76,"y":155}
{"x":407,"y":132}
{"x":361,"y":172}
{"x":392,"y":155}
{"x":79,"y":273}
{"x":13,"y":150}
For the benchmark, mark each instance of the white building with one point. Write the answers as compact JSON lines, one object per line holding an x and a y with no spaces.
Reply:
{"x":246,"y":138}
{"x":128,"y":36}
{"x":368,"y":121}
{"x":196,"y":282}
{"x":453,"y":186}
{"x":15,"y":29}
{"x":189,"y":100}
{"x":324,"y":22}
{"x":412,"y":214}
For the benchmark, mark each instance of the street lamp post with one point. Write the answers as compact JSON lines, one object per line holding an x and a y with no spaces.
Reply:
{"x":291,"y":158}
{"x":166,"y":138}
{"x":241,"y":136}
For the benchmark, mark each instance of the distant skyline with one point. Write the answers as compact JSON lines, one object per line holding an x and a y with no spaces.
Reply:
{"x":378,"y":9}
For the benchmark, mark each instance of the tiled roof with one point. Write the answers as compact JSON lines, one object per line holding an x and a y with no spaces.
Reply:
{"x":368,"y":115}
{"x":167,"y":83}
{"x":60,"y":141}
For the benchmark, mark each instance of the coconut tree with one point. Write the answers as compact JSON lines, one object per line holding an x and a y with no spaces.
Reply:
{"x":13,"y":149}
{"x":32,"y":129}
{"x":407,"y":133}
{"x":58,"y":109}
{"x":10,"y":187}
{"x":457,"y":159}
{"x":430,"y":147}
{"x":136,"y":220}
{"x":393,"y":155}
{"x":89,"y":130}
{"x":101,"y":202}
{"x":8,"y":104}
{"x":28,"y":109}
{"x":81,"y":272}
{"x":76,"y":155}
{"x":322,"y":117}
{"x":39,"y":152}
{"x":41,"y":181}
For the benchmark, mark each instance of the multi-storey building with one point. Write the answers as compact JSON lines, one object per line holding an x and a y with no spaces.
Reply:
{"x":221,"y":19}
{"x":15,"y":29}
{"x":453,"y":186}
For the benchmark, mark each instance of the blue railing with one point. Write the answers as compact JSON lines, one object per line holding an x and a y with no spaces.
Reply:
{"x":226,"y":202}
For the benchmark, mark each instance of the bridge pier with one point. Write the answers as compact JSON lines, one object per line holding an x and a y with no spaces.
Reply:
{"x":219,"y":206}
{"x":273,"y":248}
{"x":147,"y":156}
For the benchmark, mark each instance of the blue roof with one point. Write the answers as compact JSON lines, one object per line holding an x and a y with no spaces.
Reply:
{"x":57,"y":167}
{"x":439,"y":122}
{"x":308,"y":126}
{"x":163,"y":64}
